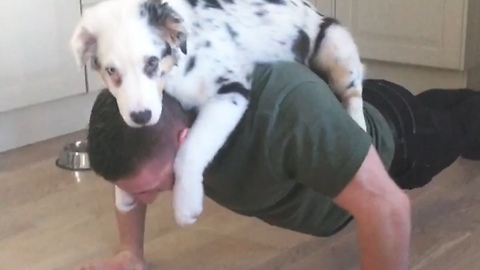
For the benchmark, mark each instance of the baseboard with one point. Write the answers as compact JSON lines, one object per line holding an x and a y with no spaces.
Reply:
{"x":44,"y":121}
{"x":418,"y":78}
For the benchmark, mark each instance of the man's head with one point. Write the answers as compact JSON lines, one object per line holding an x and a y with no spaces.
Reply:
{"x":132,"y":45}
{"x":138,"y":160}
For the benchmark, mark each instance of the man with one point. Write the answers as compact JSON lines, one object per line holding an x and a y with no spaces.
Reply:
{"x":297,"y":160}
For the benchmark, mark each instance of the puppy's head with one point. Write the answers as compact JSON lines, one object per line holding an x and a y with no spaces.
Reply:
{"x":132,"y":45}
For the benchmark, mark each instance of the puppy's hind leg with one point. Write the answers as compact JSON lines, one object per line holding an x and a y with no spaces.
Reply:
{"x":337,"y":56}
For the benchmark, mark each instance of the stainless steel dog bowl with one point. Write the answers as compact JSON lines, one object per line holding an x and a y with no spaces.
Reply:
{"x":74,"y":157}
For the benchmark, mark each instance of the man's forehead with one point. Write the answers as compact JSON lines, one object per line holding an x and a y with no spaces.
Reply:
{"x":146,"y":178}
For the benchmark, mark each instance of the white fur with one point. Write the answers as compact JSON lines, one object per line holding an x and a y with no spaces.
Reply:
{"x":123,"y":38}
{"x":123,"y":200}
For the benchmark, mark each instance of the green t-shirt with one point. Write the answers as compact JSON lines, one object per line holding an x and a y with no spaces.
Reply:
{"x":294,"y":150}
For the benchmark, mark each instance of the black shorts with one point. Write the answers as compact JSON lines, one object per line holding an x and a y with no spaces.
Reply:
{"x":426,"y":141}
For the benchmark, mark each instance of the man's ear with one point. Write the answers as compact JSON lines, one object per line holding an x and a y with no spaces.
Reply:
{"x":182,"y":135}
{"x":83,"y":43}
{"x":168,"y":22}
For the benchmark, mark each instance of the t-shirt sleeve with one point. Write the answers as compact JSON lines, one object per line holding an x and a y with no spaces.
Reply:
{"x":315,"y":141}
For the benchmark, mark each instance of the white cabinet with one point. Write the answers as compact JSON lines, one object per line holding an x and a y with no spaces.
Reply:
{"x":36,"y":64}
{"x":427,"y":32}
{"x":420,"y":44}
{"x":43,"y":94}
{"x":326,"y":7}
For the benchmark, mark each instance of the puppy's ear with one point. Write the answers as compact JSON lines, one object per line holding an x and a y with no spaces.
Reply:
{"x":83,"y":43}
{"x":168,"y":22}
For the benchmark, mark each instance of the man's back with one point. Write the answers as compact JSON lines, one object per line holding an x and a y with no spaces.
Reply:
{"x":294,"y":150}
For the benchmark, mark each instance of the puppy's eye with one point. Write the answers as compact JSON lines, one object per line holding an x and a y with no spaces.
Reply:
{"x":152,"y":62}
{"x":111,"y":70}
{"x":151,"y":66}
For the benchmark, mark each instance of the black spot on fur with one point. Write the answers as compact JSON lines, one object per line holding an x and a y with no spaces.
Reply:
{"x":301,"y":46}
{"x":95,"y":64}
{"x":221,"y":80}
{"x":167,"y":51}
{"x":350,"y":85}
{"x":213,"y":4}
{"x":249,"y":77}
{"x":229,"y":1}
{"x":307,"y":4}
{"x":159,"y":12}
{"x":235,"y":87}
{"x":143,"y":11}
{"x":231,"y":31}
{"x":151,"y":66}
{"x":190,"y":64}
{"x":182,"y":37}
{"x":261,"y":13}
{"x":327,"y":22}
{"x":277,"y":2}
{"x":193,"y":3}
{"x":208,"y":44}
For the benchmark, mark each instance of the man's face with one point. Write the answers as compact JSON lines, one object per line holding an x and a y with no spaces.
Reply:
{"x":153,"y":177}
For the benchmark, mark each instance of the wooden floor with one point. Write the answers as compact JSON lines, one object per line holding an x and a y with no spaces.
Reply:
{"x":54,"y":219}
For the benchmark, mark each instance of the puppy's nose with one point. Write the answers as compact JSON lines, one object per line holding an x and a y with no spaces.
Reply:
{"x":141,"y":117}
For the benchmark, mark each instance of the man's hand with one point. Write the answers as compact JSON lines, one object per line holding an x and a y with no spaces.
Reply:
{"x":382,"y":213}
{"x":124,"y":260}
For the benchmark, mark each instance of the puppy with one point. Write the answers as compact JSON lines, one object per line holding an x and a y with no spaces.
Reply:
{"x":214,"y":46}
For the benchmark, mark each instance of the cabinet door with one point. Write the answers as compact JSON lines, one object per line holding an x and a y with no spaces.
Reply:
{"x":326,"y":7}
{"x":426,"y":32}
{"x":36,"y":63}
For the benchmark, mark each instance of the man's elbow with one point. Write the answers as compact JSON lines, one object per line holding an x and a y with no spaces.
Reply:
{"x":398,"y":205}
{"x":391,"y":207}
{"x":395,"y":208}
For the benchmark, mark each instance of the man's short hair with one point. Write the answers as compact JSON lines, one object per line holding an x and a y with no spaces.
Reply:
{"x":116,"y":150}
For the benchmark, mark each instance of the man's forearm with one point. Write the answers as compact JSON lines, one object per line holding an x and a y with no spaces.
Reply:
{"x":131,"y":228}
{"x":384,"y":238}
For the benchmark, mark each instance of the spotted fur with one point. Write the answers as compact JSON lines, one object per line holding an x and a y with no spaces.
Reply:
{"x":203,"y":52}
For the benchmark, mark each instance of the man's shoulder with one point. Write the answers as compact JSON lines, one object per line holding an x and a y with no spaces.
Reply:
{"x":286,"y":72}
{"x":272,"y":83}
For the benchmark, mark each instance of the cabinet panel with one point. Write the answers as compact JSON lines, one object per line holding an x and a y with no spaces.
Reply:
{"x":36,"y":63}
{"x":427,"y":32}
{"x":326,"y":7}
{"x":472,"y":40}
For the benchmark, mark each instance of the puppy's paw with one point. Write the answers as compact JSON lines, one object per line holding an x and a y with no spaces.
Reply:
{"x":359,"y":118}
{"x":354,"y":107}
{"x":187,"y":201}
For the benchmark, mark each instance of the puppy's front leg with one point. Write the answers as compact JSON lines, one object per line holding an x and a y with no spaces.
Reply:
{"x":215,"y":121}
{"x":123,"y":200}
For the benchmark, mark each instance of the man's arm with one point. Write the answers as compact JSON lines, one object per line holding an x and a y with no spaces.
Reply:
{"x":131,"y":229}
{"x":130,"y":255}
{"x":382,"y":213}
